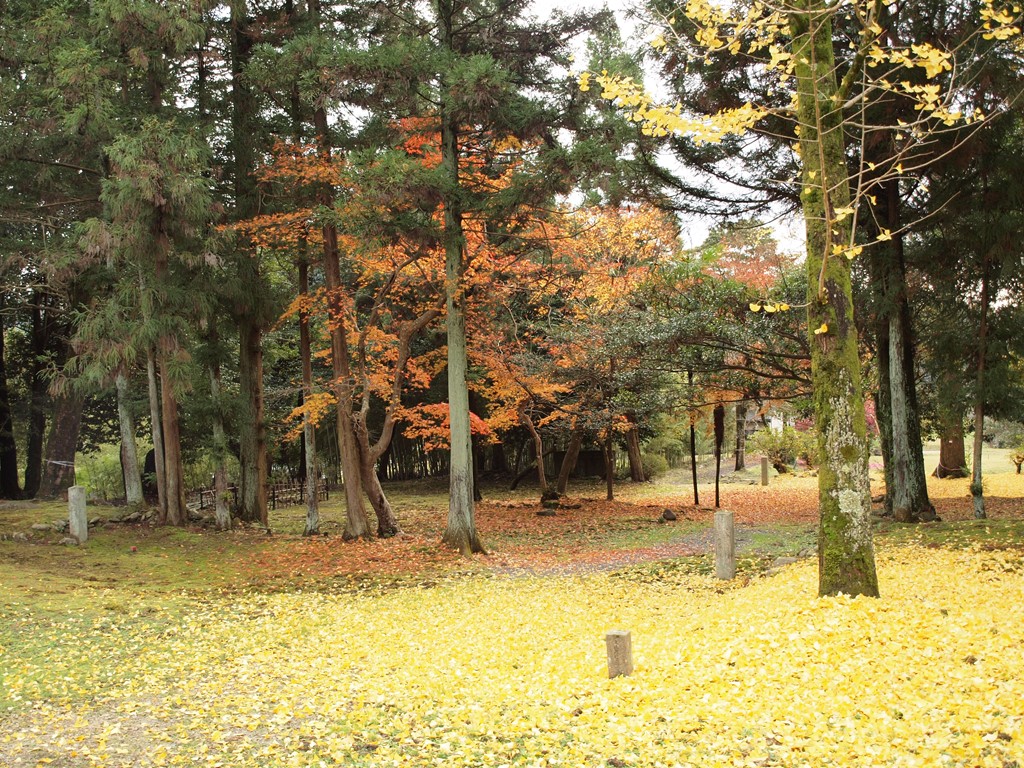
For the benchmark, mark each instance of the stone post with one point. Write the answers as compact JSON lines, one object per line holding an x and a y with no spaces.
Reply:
{"x":764,"y":470}
{"x":77,"y":520}
{"x":620,"y":652}
{"x":725,"y":545}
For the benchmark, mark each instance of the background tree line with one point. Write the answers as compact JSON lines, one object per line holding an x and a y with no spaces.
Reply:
{"x":398,"y":237}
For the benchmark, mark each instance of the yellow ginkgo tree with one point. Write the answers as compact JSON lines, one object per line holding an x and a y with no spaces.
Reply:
{"x":792,"y":42}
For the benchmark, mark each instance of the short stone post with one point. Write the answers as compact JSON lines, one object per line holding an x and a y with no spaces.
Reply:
{"x":764,"y":470}
{"x":78,"y":523}
{"x":725,"y":545}
{"x":620,"y":652}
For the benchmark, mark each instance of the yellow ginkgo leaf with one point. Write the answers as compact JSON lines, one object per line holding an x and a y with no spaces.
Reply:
{"x":783,"y":307}
{"x":823,"y":328}
{"x":755,"y":307}
{"x":884,"y":235}
{"x":769,"y":307}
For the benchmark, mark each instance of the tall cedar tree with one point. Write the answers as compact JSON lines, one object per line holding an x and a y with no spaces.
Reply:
{"x":491,"y":75}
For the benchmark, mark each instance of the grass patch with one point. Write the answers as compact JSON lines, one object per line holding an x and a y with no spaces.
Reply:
{"x":957,"y":534}
{"x":780,"y":540}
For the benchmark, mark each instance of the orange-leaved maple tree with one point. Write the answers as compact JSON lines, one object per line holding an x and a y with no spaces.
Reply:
{"x":388,"y":296}
{"x":555,"y":362}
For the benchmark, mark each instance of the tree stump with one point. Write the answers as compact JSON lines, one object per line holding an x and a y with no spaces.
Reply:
{"x":620,"y":652}
{"x":725,"y":546}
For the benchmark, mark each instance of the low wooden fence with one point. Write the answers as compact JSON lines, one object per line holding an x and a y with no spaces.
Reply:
{"x":278,"y":494}
{"x":291,"y":494}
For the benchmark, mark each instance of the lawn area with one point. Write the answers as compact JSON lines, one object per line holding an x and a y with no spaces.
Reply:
{"x":151,"y":646}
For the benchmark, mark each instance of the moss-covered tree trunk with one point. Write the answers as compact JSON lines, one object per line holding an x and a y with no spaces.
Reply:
{"x":846,"y":559}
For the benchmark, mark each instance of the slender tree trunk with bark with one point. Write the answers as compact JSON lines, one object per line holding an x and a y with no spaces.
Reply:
{"x":157,"y":432}
{"x":42,"y":327}
{"x":387,"y":521}
{"x":741,"y":436}
{"x":538,"y":444}
{"x":846,"y":560}
{"x":357,"y":524}
{"x":177,"y":514}
{"x":693,"y":458}
{"x":312,"y":525}
{"x":636,"y":461}
{"x":129,"y":450}
{"x":906,"y":482}
{"x":221,"y":513}
{"x":609,"y":466}
{"x":910,"y":502}
{"x":10,"y":488}
{"x":977,"y":486}
{"x":461,"y":530}
{"x":370,"y":455}
{"x":719,"y":419}
{"x":572,"y":454}
{"x":883,"y":405}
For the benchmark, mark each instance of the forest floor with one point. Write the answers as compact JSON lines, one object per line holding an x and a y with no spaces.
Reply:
{"x":153,"y":646}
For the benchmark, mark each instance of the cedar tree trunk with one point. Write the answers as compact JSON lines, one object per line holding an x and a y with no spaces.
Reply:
{"x":129,"y":450}
{"x":59,"y":456}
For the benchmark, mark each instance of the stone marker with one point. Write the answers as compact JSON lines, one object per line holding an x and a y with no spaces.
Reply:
{"x":79,"y":523}
{"x":620,"y":652}
{"x":725,"y":545}
{"x":764,"y":470}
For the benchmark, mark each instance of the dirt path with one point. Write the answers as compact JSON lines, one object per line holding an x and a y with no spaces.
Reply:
{"x":691,"y":544}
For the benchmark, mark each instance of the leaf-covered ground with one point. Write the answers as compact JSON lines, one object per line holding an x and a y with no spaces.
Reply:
{"x":487,"y":671}
{"x":157,"y":646}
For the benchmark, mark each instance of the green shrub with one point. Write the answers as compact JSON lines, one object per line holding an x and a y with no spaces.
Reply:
{"x":1017,"y":455}
{"x":783,"y":447}
{"x":655,"y":465}
{"x":100,"y":472}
